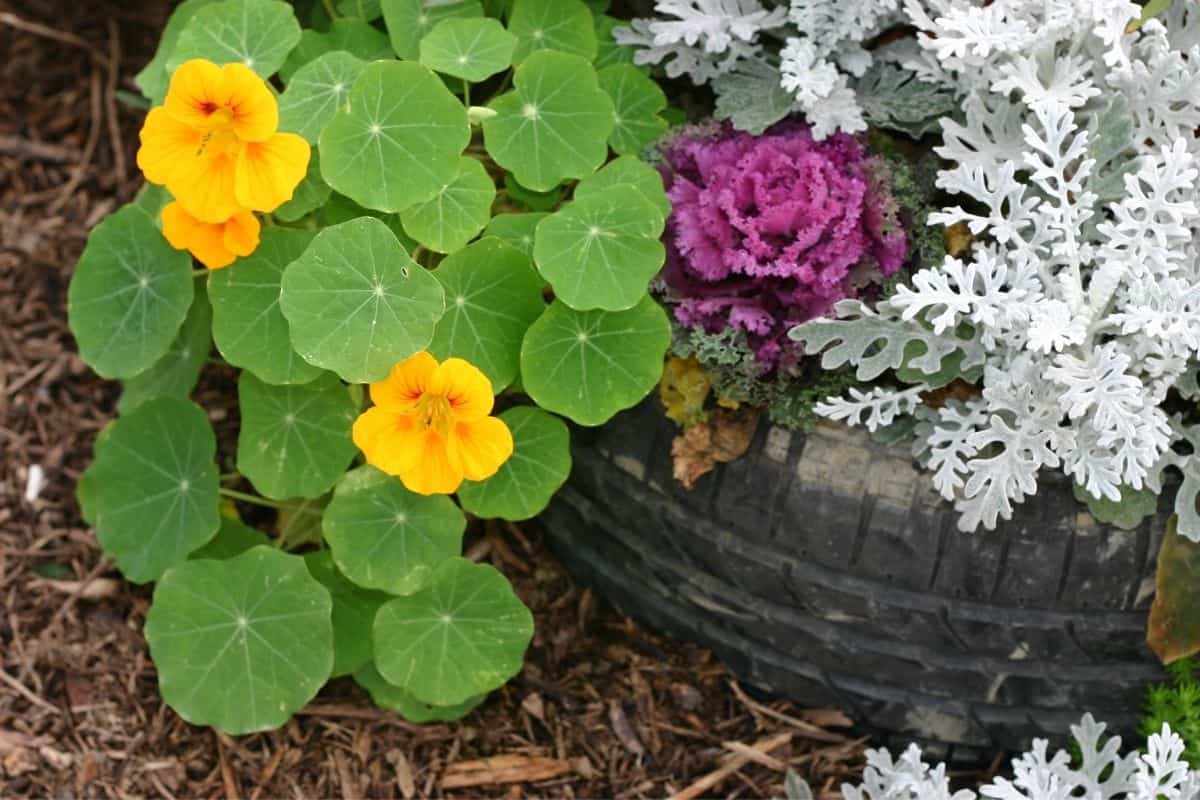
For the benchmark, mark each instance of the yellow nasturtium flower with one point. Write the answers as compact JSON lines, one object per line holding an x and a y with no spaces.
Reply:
{"x":214,"y":244}
{"x":431,"y":425}
{"x":214,"y":143}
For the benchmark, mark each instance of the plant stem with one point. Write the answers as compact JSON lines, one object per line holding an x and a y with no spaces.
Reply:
{"x":466,"y":93}
{"x":228,"y":476}
{"x":249,"y":498}
{"x":330,"y":10}
{"x":196,"y":273}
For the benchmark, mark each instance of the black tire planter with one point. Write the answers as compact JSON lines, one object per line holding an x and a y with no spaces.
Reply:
{"x":825,"y":568}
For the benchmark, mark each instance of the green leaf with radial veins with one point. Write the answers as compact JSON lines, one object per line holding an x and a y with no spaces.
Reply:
{"x":155,"y":487}
{"x":385,"y":537}
{"x":176,"y":373}
{"x":601,"y":251}
{"x":463,"y":635}
{"x":493,"y":295}
{"x":257,"y":33}
{"x":631,"y":172}
{"x":566,"y":26}
{"x":248,"y":325}
{"x":457,"y":213}
{"x":316,"y":92}
{"x":410,"y":21}
{"x":294,"y":440}
{"x":539,"y":466}
{"x":353,"y":614}
{"x":554,"y":125}
{"x":533,"y":201}
{"x":153,"y":79}
{"x":516,"y":229}
{"x":130,"y":293}
{"x":356,"y":37}
{"x":588,"y":365}
{"x":637,"y":100}
{"x":357,"y":303}
{"x":310,"y":194}
{"x":240,"y":644}
{"x":394,"y":699}
{"x":398,"y":140}
{"x":471,"y":49}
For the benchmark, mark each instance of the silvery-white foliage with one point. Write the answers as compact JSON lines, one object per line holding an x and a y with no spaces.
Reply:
{"x":1080,"y":298}
{"x":819,"y":64}
{"x":1101,"y":773}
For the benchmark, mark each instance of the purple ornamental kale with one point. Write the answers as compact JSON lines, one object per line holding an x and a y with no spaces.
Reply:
{"x":770,"y":231}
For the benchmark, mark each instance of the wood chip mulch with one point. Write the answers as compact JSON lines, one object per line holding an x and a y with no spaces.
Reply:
{"x":602,"y":709}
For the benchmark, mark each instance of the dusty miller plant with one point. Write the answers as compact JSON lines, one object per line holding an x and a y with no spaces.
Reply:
{"x":765,"y":60}
{"x":1100,"y":772}
{"x":1079,"y":302}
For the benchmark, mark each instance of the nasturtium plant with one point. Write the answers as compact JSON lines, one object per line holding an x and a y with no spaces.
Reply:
{"x":421,"y":240}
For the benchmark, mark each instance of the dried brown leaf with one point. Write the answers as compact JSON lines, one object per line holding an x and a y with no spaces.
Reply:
{"x":724,"y":436}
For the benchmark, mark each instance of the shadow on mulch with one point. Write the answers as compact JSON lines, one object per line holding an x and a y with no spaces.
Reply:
{"x":603,"y":708}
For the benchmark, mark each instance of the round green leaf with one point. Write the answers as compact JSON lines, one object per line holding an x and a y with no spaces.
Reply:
{"x":398,"y":140}
{"x":257,"y":33}
{"x":316,"y":92}
{"x":637,"y":99}
{"x":410,"y":21}
{"x":153,"y":79}
{"x":601,"y":250}
{"x":492,"y":297}
{"x":357,"y":304}
{"x":341,"y":209}
{"x":240,"y":644}
{"x":129,"y":295}
{"x":394,"y":699}
{"x":471,"y":49}
{"x":458,"y":212}
{"x":608,"y":52}
{"x":627,"y":171}
{"x":294,"y":440}
{"x":176,"y":373}
{"x":463,"y":635}
{"x":352,"y":35}
{"x":563,"y":25}
{"x":588,"y":365}
{"x":386,"y":537}
{"x":516,"y":229}
{"x":233,"y":539}
{"x":554,"y":125}
{"x":539,"y":466}
{"x":155,"y":487}
{"x":310,"y":194}
{"x":353,"y":614}
{"x":248,"y":325}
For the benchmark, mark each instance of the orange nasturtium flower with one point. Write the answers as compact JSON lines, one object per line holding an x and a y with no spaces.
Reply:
{"x":431,"y":425}
{"x":214,"y":244}
{"x":214,"y":143}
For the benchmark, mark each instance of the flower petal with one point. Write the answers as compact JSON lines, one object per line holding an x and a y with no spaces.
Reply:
{"x":466,"y":387}
{"x":204,"y":185}
{"x":479,"y":448}
{"x":255,"y":111}
{"x":196,"y":94}
{"x":166,"y":143}
{"x":432,"y":471}
{"x":268,"y":172}
{"x":241,"y":233}
{"x":389,"y":442}
{"x":403,"y":387}
{"x":204,"y":240}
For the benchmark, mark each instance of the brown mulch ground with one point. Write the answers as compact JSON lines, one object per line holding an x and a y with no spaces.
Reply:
{"x":604,"y":708}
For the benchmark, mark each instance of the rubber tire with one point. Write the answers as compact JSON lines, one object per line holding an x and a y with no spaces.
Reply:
{"x":825,"y":568}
